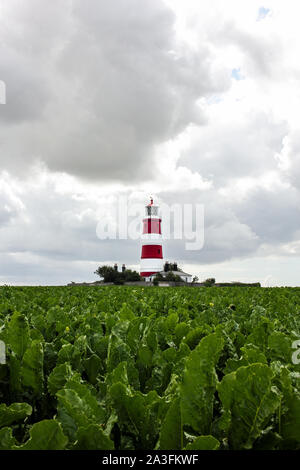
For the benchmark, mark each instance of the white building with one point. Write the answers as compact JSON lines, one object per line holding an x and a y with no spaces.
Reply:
{"x":184,"y":276}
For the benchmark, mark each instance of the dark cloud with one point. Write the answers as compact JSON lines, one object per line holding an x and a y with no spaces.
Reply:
{"x":93,"y":87}
{"x":273,"y":214}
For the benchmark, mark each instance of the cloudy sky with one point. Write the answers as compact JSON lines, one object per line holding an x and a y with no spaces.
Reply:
{"x":191,"y":102}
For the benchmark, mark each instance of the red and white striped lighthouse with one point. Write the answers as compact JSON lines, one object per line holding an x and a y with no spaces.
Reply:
{"x":152,"y":254}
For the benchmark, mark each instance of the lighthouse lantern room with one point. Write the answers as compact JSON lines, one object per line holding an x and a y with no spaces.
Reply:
{"x":151,"y":253}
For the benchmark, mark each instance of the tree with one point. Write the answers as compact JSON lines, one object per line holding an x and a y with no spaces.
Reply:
{"x":195,"y":279}
{"x":209,"y":282}
{"x":107,"y":272}
{"x":159,"y":277}
{"x":110,"y":274}
{"x":173,"y":277}
{"x":131,"y":276}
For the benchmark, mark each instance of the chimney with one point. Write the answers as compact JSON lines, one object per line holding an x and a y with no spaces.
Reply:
{"x":116,"y":267}
{"x":123,"y":268}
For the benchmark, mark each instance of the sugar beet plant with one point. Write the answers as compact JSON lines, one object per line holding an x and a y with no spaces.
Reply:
{"x":147,"y":368}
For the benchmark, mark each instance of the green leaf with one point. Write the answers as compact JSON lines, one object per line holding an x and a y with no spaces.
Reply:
{"x":269,"y":440}
{"x":118,"y":352}
{"x":18,"y":336}
{"x":93,"y":438}
{"x":59,"y":377}
{"x":78,"y":407}
{"x":13,"y":413}
{"x":171,"y":321}
{"x":279,"y":347}
{"x":260,"y":334}
{"x":250,"y":355}
{"x":65,"y":353}
{"x":204,"y":443}
{"x":193,"y":337}
{"x":199,"y":384}
{"x":282,"y":379}
{"x":138,"y":414}
{"x":15,"y":375}
{"x":45,"y":435}
{"x":145,"y":356}
{"x":181,"y":330}
{"x":92,"y":366}
{"x":126,"y":313}
{"x":171,"y":429}
{"x":32,"y":367}
{"x":137,"y":329}
{"x":290,"y":426}
{"x":7,"y":441}
{"x":250,"y":398}
{"x":119,"y":374}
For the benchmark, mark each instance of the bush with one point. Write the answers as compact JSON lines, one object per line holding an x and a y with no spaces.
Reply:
{"x":173,"y":277}
{"x":131,"y":276}
{"x":209,"y":282}
{"x":159,"y":277}
{"x":110,"y":274}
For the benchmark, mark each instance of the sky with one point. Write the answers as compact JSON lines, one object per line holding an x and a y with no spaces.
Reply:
{"x":190,"y":102}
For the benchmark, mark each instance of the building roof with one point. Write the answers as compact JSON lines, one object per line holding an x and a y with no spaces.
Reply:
{"x":177,"y":273}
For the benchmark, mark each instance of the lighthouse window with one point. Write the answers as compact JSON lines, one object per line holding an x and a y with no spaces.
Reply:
{"x":158,"y":250}
{"x":151,"y":210}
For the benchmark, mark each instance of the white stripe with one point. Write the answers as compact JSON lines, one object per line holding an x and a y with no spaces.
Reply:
{"x":154,"y":238}
{"x":152,"y":264}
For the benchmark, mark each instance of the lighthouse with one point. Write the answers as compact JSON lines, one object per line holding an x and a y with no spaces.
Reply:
{"x":152,"y":254}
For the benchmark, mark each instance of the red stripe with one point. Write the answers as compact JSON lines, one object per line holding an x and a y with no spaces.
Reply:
{"x":147,"y":273}
{"x":152,"y":226}
{"x":151,"y":251}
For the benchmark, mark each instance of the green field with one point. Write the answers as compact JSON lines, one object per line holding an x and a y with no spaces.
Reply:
{"x":150,"y":368}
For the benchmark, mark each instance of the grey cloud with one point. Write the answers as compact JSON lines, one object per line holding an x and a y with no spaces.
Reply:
{"x":290,"y":157}
{"x":56,"y":233}
{"x":109,"y":83}
{"x":42,"y":270}
{"x":57,"y":227}
{"x":227,"y":151}
{"x":273,"y":214}
{"x":225,"y":235}
{"x":27,"y":90}
{"x":240,"y":228}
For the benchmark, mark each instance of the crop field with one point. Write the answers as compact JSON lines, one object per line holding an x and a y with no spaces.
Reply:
{"x":118,"y":367}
